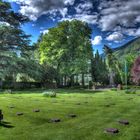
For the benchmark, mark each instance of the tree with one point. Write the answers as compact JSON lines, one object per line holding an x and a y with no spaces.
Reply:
{"x":67,"y":48}
{"x":110,"y":63}
{"x":12,"y":39}
{"x":113,"y":65}
{"x":15,"y":51}
{"x":136,"y":71}
{"x":99,"y":69}
{"x":129,"y":60}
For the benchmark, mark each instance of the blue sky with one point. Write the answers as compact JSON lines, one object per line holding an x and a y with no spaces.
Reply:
{"x":114,"y":22}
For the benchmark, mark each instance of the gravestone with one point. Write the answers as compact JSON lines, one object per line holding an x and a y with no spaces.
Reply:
{"x":86,"y":102}
{"x":19,"y":113}
{"x":36,"y":110}
{"x":11,"y":107}
{"x":112,"y":130}
{"x":94,"y":87}
{"x":55,"y":120}
{"x":119,"y":87}
{"x":124,"y":122}
{"x":108,"y":105}
{"x":130,"y":98}
{"x":72,"y":115}
{"x":78,"y":104}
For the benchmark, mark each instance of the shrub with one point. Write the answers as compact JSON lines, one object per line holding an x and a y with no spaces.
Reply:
{"x":130,"y":91}
{"x":8,"y":91}
{"x":51,"y":94}
{"x":113,"y":89}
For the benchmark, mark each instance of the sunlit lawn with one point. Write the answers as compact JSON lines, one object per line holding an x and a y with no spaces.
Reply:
{"x":95,"y":112}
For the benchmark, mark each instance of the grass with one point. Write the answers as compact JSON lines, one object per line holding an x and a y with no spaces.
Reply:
{"x":103,"y":110}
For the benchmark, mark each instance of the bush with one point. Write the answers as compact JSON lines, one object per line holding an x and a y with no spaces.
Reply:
{"x":130,"y":91}
{"x":51,"y":94}
{"x":113,"y":89}
{"x":8,"y":91}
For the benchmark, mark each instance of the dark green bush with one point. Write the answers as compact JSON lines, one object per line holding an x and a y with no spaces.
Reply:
{"x":8,"y":91}
{"x":113,"y":89}
{"x":130,"y":91}
{"x":51,"y":94}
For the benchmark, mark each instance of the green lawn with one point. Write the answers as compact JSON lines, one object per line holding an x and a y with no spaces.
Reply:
{"x":103,"y":110}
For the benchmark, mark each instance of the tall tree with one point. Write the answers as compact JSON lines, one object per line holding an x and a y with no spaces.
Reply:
{"x":113,"y":65}
{"x":110,"y":63}
{"x":99,"y":69}
{"x":67,"y":48}
{"x":14,"y":45}
{"x":12,"y":39}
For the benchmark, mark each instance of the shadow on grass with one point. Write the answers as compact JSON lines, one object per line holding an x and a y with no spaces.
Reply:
{"x":6,"y":124}
{"x":81,"y":91}
{"x":59,"y":90}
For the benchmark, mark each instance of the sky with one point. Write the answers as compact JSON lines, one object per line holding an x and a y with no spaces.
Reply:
{"x":113,"y":22}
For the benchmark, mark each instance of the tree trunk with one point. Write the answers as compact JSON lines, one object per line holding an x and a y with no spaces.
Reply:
{"x":1,"y":84}
{"x":111,"y":79}
{"x":65,"y":80}
{"x":72,"y":81}
{"x":83,"y":79}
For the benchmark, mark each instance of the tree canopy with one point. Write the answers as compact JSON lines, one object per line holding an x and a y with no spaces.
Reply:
{"x":67,"y":47}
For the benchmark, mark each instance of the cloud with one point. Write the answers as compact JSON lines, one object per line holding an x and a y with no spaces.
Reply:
{"x":132,"y":31}
{"x":110,"y":15}
{"x":91,"y":19}
{"x":4,"y":23}
{"x":97,"y":40}
{"x":69,"y":2}
{"x":64,"y":12}
{"x":44,"y":31}
{"x":84,"y":8}
{"x":116,"y":37}
{"x":36,"y":8}
{"x":119,"y":14}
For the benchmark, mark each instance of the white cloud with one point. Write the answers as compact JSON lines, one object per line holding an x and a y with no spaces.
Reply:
{"x":4,"y":23}
{"x":116,"y":37}
{"x":119,"y":14}
{"x":44,"y":31}
{"x":84,"y":7}
{"x":64,"y":12}
{"x":69,"y":2}
{"x":132,"y":31}
{"x":113,"y":15}
{"x":91,"y":19}
{"x":36,"y":8}
{"x":97,"y":40}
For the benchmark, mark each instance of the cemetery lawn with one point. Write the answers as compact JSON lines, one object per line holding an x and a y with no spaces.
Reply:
{"x":95,"y":111}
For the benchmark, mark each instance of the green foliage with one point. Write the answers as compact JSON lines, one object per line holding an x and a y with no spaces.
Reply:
{"x":67,"y":48}
{"x":51,"y":94}
{"x":131,"y":91}
{"x":99,"y":69}
{"x":132,"y":47}
{"x":113,"y":89}
{"x":16,"y":57}
{"x":129,"y":58}
{"x":128,"y":52}
{"x":113,"y":65}
{"x":12,"y":39}
{"x":8,"y":91}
